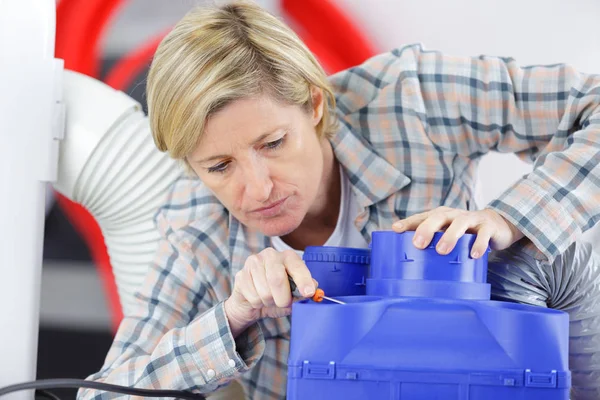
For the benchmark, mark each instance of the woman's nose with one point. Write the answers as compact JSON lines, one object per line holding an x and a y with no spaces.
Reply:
{"x":258,"y":184}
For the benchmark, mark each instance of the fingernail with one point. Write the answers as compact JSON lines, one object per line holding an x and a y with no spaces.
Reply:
{"x":397,"y":225}
{"x":419,"y":241}
{"x":309,"y":291}
{"x":474,"y":254}
{"x":442,"y":248}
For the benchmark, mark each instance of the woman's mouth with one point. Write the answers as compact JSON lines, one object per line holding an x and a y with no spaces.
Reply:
{"x":270,"y":210}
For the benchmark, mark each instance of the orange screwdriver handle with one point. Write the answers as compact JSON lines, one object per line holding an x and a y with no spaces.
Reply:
{"x":318,"y":296}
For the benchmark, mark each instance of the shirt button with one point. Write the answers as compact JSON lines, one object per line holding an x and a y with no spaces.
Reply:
{"x":210,"y":373}
{"x":231,"y":363}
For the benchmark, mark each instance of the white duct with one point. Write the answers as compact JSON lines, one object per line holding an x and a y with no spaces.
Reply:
{"x":108,"y":163}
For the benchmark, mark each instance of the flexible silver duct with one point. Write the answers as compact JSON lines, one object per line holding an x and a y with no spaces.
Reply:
{"x":571,"y":284}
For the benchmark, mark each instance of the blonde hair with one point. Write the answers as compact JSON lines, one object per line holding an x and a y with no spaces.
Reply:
{"x":215,"y":56}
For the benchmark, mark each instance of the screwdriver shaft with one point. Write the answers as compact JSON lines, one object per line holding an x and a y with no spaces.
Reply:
{"x":333,"y":300}
{"x":317,"y":297}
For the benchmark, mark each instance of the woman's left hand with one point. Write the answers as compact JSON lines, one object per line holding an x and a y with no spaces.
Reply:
{"x":491,"y":228}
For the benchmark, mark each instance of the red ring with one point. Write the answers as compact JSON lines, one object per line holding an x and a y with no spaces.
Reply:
{"x":331,"y":28}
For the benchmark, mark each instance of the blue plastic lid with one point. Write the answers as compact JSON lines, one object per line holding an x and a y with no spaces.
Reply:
{"x":399,"y":269}
{"x":394,"y":256}
{"x":337,"y":254}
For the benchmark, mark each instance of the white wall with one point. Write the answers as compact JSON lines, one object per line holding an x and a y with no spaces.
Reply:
{"x":531,"y":31}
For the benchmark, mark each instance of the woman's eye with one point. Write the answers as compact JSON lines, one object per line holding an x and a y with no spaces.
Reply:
{"x":219,"y":168}
{"x":274,"y":144}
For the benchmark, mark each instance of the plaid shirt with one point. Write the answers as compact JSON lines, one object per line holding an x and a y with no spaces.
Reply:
{"x":414,"y":124}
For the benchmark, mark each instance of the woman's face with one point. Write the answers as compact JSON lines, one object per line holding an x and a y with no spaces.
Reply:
{"x":263,"y":161}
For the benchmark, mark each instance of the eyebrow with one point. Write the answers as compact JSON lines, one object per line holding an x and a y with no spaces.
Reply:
{"x":255,"y":142}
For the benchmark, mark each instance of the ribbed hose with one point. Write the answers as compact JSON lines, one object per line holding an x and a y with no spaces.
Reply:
{"x":122,"y":185}
{"x":571,"y":284}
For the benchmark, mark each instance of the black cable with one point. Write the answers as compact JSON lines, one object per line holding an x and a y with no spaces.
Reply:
{"x":46,"y":395}
{"x":106,"y":387}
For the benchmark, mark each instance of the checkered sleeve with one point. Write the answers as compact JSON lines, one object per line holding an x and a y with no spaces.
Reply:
{"x":548,"y":115}
{"x":179,"y":337}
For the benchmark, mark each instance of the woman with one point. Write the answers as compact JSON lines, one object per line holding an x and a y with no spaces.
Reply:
{"x":281,"y":157}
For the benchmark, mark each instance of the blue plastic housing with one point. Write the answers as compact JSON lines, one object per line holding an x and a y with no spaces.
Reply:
{"x":340,"y":271}
{"x":427,"y":330}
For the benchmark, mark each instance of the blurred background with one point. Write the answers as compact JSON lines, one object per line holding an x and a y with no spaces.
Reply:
{"x":79,"y":305}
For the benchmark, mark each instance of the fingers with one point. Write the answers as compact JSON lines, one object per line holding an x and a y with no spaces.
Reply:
{"x":263,"y":282}
{"x":434,"y":223}
{"x":411,"y":223}
{"x":456,"y":223}
{"x":456,"y":230}
{"x":426,"y":224}
{"x":277,"y":283}
{"x":482,"y":241}
{"x":299,"y":272}
{"x":258,"y":273}
{"x":244,"y":285}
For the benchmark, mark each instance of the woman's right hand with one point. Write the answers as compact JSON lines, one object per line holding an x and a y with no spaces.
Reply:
{"x":262,"y":289}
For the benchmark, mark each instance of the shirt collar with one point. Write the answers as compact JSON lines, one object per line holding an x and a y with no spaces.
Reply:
{"x":372,"y":177}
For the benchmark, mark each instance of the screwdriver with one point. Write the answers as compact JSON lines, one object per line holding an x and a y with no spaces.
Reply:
{"x":318,"y":297}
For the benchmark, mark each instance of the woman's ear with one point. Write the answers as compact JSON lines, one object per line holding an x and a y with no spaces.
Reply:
{"x":317,"y":104}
